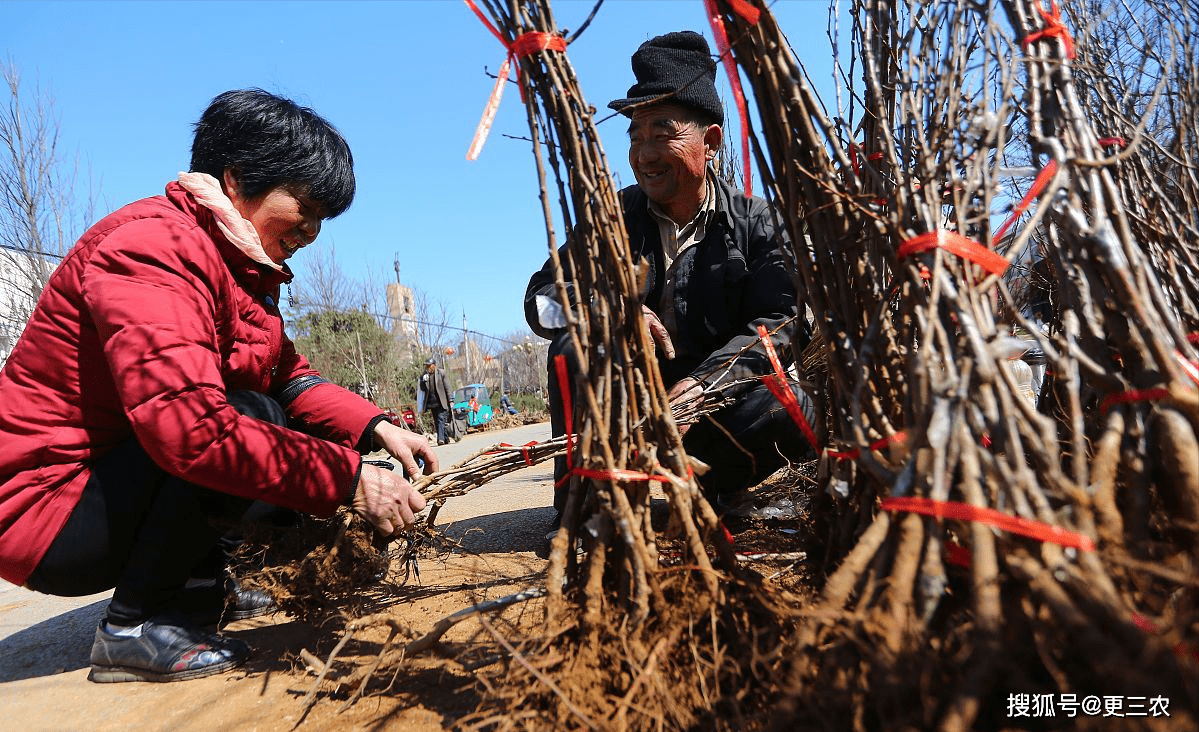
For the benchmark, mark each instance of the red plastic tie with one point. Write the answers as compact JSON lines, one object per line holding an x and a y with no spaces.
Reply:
{"x":1190,"y":367}
{"x":750,"y":14}
{"x":525,"y":44}
{"x":957,"y":554}
{"x":854,"y":151}
{"x":564,"y":390}
{"x":630,"y":476}
{"x":955,"y":244}
{"x":1134,"y":395}
{"x":1038,"y":185}
{"x":524,"y":450}
{"x":990,"y":517}
{"x":777,"y":384}
{"x":897,"y":438}
{"x":1144,"y":623}
{"x":1180,"y":649}
{"x":1054,"y":28}
{"x":1111,"y":141}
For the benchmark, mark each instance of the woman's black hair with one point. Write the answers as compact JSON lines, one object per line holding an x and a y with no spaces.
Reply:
{"x":268,"y":141}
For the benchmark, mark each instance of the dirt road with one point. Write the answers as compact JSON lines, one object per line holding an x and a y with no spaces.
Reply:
{"x":44,"y":641}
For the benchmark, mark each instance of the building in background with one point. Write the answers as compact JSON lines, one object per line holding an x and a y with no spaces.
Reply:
{"x":23,"y":274}
{"x":401,"y":309}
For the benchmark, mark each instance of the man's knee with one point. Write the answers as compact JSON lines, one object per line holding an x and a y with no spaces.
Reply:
{"x":759,"y":411}
{"x":750,"y":439}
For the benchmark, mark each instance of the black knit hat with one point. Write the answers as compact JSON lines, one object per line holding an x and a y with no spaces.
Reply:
{"x":678,"y":64}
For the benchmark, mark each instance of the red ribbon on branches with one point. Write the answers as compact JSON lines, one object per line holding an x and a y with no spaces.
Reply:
{"x":1181,"y":648}
{"x":524,"y":450}
{"x":853,"y":157}
{"x":957,"y":244}
{"x":990,"y":517}
{"x":614,"y":475}
{"x":751,"y":15}
{"x":567,"y":412}
{"x":895,"y":439}
{"x":1133,"y":395}
{"x":1038,"y":185}
{"x":1112,"y":141}
{"x":525,"y":45}
{"x":957,"y":554}
{"x":1190,"y":367}
{"x":1054,"y":28}
{"x":777,"y":384}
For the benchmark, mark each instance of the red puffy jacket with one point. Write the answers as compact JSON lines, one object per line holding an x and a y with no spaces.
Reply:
{"x":142,"y":329}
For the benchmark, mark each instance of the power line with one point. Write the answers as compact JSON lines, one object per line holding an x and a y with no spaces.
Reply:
{"x":30,"y":252}
{"x":465,"y":331}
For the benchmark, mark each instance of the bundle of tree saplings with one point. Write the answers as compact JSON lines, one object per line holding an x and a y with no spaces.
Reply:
{"x":1001,"y":551}
{"x":627,"y":643}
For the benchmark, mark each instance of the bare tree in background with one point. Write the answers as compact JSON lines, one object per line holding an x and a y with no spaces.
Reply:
{"x":523,"y":357}
{"x":39,"y":215}
{"x":320,"y":282}
{"x":432,"y":320}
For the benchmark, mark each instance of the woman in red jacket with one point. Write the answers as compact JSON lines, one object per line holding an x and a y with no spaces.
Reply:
{"x":154,"y":397}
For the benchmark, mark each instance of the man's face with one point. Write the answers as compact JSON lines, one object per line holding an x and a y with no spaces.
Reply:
{"x":669,"y":156}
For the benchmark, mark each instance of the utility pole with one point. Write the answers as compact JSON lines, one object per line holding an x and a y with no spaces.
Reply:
{"x":466,"y":348}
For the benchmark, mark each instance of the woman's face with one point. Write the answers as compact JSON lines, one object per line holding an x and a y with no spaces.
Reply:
{"x":284,"y":221}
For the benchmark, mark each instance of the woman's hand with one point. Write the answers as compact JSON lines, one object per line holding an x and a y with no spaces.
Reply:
{"x":405,"y":447}
{"x":386,"y":500}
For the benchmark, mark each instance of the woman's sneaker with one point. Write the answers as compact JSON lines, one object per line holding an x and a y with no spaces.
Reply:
{"x":162,"y":652}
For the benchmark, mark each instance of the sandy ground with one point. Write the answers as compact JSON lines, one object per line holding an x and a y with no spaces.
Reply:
{"x":45,"y":641}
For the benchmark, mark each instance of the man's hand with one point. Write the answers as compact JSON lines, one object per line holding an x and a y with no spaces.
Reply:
{"x":685,"y":391}
{"x":658,"y":335}
{"x":386,"y":500}
{"x":405,"y":447}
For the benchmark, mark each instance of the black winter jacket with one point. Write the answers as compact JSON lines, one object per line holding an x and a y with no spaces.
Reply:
{"x":726,"y":285}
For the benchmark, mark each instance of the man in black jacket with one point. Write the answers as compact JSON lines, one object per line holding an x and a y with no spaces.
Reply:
{"x":436,"y":398}
{"x":714,"y":271}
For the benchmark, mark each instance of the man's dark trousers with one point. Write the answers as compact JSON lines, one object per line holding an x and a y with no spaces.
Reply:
{"x":757,"y":421}
{"x":440,"y":419}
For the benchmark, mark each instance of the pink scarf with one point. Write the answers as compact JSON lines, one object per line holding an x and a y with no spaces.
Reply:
{"x":207,"y":192}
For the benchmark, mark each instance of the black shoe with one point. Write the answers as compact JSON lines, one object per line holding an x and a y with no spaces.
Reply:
{"x":220,"y":604}
{"x":242,"y":604}
{"x":163,"y":653}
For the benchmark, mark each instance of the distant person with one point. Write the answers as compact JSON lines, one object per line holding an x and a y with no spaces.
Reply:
{"x":435,"y":391}
{"x":507,"y":405}
{"x":150,"y":401}
{"x":715,"y":269}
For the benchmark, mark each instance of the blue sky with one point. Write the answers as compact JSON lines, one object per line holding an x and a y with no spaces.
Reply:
{"x":405,"y":83}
